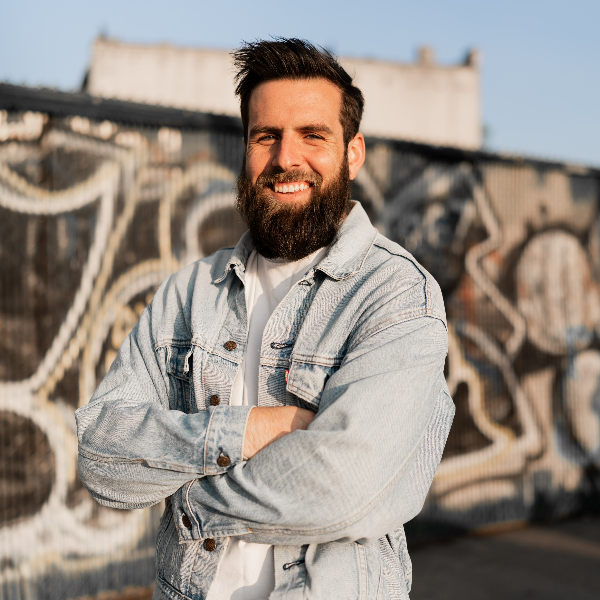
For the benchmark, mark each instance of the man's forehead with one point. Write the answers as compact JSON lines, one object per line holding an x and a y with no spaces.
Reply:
{"x":297,"y":100}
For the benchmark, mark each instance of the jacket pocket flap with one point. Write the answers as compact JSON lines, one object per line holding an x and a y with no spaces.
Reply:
{"x":307,"y":380}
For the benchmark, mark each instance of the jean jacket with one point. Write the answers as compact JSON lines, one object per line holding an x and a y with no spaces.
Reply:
{"x":360,"y":340}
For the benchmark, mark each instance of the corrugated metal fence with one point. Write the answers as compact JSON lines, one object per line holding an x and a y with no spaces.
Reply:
{"x":100,"y":201}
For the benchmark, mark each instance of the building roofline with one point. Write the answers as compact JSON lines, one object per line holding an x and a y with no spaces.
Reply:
{"x":18,"y":98}
{"x":470,"y":61}
{"x":454,"y":154}
{"x":62,"y":104}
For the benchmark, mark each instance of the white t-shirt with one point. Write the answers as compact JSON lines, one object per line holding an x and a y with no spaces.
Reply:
{"x":247,"y":570}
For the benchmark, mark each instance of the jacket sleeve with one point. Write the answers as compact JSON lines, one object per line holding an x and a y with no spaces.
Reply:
{"x":134,"y":450}
{"x":363,"y":467}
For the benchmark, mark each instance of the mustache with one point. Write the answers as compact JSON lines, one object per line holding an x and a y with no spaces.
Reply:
{"x":269,"y":179}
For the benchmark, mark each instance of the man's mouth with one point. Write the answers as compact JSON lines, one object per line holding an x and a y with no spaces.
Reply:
{"x":291,"y":187}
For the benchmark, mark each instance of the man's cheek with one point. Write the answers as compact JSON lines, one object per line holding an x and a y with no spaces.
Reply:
{"x":254,"y":166}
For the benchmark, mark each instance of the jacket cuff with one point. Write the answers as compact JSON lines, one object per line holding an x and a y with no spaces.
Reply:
{"x":224,"y":441}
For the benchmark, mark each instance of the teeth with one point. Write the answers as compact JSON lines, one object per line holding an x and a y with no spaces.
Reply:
{"x":291,"y":188}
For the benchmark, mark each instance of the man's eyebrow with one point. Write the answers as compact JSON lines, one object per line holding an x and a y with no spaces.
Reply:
{"x":317,"y":127}
{"x":263,"y":129}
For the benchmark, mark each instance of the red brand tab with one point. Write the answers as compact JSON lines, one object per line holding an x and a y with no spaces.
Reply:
{"x":287,"y":372}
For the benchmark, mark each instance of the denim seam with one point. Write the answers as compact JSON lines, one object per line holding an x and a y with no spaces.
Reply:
{"x":364,"y":574}
{"x":203,"y":371}
{"x":167,"y":542}
{"x":180,"y":377}
{"x":139,"y":461}
{"x":346,"y":275}
{"x":173,"y":342}
{"x":215,"y":352}
{"x":187,"y":502}
{"x":207,"y":441}
{"x":108,"y":459}
{"x":300,"y":392}
{"x":244,"y":434}
{"x":377,"y":596}
{"x":218,"y":336}
{"x":322,"y":361}
{"x":206,"y":347}
{"x":398,"y":320}
{"x":196,"y":341}
{"x":163,"y":528}
{"x":221,"y":533}
{"x":274,"y":362}
{"x":407,"y":257}
{"x":170,"y":590}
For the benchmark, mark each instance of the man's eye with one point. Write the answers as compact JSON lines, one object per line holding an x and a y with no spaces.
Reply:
{"x":266,"y":138}
{"x":314,"y":136}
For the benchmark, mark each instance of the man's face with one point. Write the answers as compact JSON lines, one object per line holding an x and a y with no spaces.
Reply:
{"x":294,"y":125}
{"x":294,"y":188}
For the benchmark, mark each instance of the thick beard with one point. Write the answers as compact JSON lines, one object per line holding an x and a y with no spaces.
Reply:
{"x":290,"y":231}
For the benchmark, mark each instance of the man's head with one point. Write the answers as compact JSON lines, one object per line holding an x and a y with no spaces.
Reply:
{"x":301,"y":116}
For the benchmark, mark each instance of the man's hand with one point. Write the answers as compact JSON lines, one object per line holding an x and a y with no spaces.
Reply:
{"x":267,"y":424}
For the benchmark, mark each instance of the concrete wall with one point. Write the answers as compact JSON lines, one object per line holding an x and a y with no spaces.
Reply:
{"x":421,"y":102}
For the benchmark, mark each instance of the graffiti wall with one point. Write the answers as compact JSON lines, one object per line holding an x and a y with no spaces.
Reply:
{"x":515,"y":247}
{"x":95,"y":214}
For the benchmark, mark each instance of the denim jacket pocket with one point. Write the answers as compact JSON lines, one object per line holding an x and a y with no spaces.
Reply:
{"x":179,"y":369}
{"x":307,"y":378}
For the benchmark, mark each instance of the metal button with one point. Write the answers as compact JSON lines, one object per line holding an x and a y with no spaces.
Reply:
{"x":210,"y":545}
{"x":223,"y":461}
{"x":186,"y":521}
{"x":214,"y":400}
{"x":230,"y":345}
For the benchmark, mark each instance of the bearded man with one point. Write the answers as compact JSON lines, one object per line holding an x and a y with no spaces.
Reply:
{"x":286,"y":397}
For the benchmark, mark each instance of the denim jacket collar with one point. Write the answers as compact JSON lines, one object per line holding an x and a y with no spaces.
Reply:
{"x":239,"y":258}
{"x":345,"y":257}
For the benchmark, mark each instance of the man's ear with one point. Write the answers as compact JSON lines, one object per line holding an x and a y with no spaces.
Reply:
{"x":356,"y":154}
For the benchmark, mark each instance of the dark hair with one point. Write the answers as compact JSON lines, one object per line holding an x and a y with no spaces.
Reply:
{"x":292,"y":58}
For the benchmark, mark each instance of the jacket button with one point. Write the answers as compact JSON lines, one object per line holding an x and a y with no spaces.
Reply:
{"x":210,"y":545}
{"x":214,"y":400}
{"x":230,"y":346}
{"x":223,"y":461}
{"x":186,"y":521}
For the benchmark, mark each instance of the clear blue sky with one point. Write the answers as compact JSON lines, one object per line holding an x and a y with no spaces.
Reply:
{"x":541,"y":58}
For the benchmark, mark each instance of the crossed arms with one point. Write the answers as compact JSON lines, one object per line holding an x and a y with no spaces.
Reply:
{"x":360,"y":469}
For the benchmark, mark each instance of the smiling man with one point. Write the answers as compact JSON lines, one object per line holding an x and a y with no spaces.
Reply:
{"x":285,"y":396}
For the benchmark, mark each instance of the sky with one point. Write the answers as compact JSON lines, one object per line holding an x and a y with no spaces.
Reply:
{"x":540,"y":58}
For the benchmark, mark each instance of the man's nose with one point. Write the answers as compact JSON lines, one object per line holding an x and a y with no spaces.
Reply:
{"x":286,"y":154}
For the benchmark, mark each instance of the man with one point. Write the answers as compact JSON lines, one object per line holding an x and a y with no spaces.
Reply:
{"x":286,"y":396}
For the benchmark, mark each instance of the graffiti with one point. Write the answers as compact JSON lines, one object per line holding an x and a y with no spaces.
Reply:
{"x":125,"y":176}
{"x":523,"y":308}
{"x":95,"y":215}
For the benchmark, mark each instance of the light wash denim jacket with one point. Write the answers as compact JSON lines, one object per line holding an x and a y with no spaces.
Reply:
{"x":361,"y":340}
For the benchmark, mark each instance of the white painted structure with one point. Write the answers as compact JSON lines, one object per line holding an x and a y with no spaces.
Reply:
{"x":423,"y":102}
